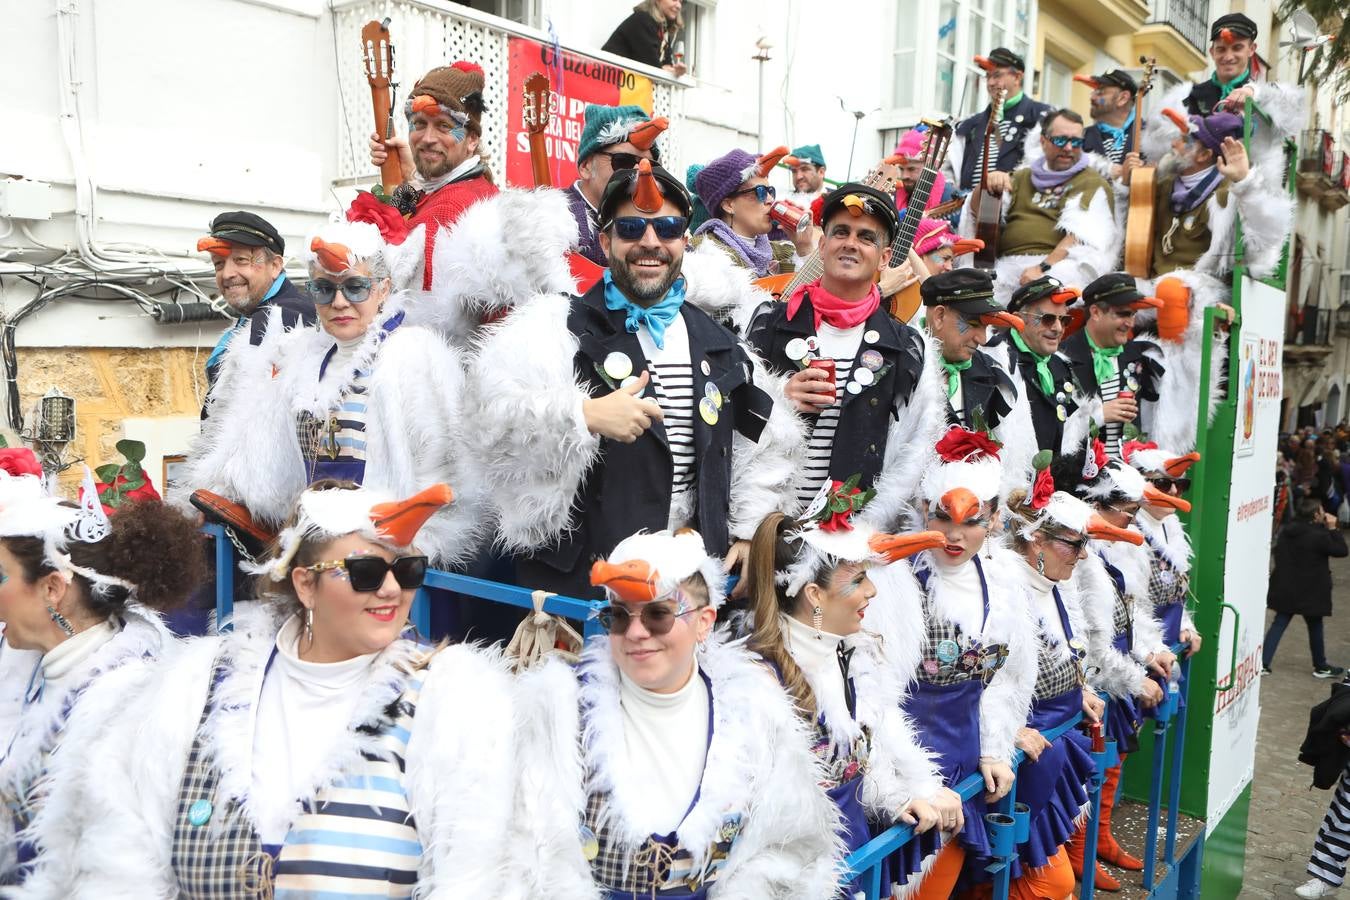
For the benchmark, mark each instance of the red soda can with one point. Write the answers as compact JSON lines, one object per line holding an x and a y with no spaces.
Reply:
{"x":826,"y":365}
{"x":790,"y":217}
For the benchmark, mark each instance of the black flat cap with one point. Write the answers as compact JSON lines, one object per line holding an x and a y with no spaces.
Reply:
{"x":1040,"y":289}
{"x":245,"y":228}
{"x":866,"y":200}
{"x":1117,"y":289}
{"x":1235,"y":23}
{"x":1114,"y":78}
{"x":1001,"y":58}
{"x":967,"y":291}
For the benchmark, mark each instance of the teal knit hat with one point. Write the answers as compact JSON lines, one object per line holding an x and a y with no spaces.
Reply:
{"x":810,"y":153}
{"x":607,"y":125}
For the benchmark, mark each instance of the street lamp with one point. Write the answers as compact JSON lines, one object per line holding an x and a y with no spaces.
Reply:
{"x":761,"y":56}
{"x":53,"y":428}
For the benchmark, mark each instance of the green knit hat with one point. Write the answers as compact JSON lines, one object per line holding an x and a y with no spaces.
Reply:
{"x":809,"y":153}
{"x":607,"y":125}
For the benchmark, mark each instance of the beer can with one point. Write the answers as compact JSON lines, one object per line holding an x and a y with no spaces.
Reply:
{"x":790,"y":217}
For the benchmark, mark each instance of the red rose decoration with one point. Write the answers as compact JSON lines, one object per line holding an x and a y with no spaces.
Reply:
{"x":959,"y":444}
{"x":1129,"y":447}
{"x":20,"y":461}
{"x":108,"y":491}
{"x":1042,"y":489}
{"x":368,"y":208}
{"x":1099,"y":453}
{"x":843,"y":502}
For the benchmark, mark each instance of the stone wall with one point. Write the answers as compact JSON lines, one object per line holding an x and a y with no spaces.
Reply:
{"x":111,"y":385}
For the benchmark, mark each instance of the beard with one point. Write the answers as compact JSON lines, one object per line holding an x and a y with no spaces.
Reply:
{"x":637,"y":286}
{"x":239,"y":298}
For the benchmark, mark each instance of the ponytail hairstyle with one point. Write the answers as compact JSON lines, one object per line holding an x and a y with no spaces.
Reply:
{"x":771,"y":553}
{"x":152,"y":555}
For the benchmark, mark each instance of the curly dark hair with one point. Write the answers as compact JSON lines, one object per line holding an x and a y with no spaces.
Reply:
{"x":152,"y":546}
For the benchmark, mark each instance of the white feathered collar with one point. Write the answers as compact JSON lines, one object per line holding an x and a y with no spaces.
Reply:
{"x":1166,"y":538}
{"x":875,"y":686}
{"x":227,"y":733}
{"x":1132,"y":561}
{"x":309,"y":347}
{"x":741,"y":691}
{"x":41,"y":723}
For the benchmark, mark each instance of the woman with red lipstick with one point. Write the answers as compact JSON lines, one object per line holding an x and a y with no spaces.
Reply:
{"x":809,"y":589}
{"x":669,"y":764}
{"x":1112,"y":587}
{"x":316,"y":747}
{"x":1049,"y":530}
{"x":362,"y":396}
{"x":963,"y":633}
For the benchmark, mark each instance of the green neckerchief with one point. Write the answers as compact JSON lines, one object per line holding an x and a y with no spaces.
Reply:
{"x":1012,"y":101}
{"x":1226,"y":87}
{"x":954,"y":371}
{"x":1042,"y":364}
{"x":1103,"y":360}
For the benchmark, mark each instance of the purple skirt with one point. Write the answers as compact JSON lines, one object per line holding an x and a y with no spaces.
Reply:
{"x":1055,"y":786}
{"x":947,"y":719}
{"x":1122,"y":721}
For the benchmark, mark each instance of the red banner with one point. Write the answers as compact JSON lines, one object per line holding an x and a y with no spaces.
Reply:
{"x":576,"y":81}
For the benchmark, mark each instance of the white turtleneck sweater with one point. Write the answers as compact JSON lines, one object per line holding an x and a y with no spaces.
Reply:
{"x":340,"y":366}
{"x":305,"y":707}
{"x":957,"y":596}
{"x":815,"y":654}
{"x":666,"y":735}
{"x":64,"y":663}
{"x":1043,"y":603}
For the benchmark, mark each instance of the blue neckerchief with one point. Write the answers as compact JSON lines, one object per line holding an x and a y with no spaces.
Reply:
{"x":1117,"y":135}
{"x":219,"y":350}
{"x":656,"y":317}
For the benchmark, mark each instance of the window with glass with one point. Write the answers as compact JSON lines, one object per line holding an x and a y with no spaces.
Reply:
{"x":1056,"y":83}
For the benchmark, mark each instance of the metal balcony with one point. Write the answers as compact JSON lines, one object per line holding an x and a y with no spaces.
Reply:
{"x":1190,"y":18}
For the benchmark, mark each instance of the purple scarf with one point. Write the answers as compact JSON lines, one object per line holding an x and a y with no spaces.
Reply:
{"x":1044,"y":178}
{"x":1186,"y":197}
{"x":756,"y":256}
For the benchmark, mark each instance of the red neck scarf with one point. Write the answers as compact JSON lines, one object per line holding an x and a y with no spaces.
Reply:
{"x":842,"y":314}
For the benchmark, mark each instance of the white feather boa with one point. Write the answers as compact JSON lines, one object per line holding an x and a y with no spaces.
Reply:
{"x":32,"y":760}
{"x":1283,"y":103}
{"x":499,"y":253}
{"x":758,"y":762}
{"x":1116,"y":673}
{"x":249,"y":451}
{"x":108,"y":830}
{"x":910,"y":443}
{"x":1016,"y":431}
{"x":721,"y":288}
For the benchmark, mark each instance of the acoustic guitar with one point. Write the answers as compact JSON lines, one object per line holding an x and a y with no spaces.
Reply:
{"x":378,"y":53}
{"x":906,"y":302}
{"x":1139,"y":223}
{"x":535,"y":110}
{"x":884,"y":178}
{"x":988,"y":206}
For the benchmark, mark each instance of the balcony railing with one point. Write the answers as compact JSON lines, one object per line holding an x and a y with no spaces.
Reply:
{"x":1323,"y":172}
{"x":1189,"y":17}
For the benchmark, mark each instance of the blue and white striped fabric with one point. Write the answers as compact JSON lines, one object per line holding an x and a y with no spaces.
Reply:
{"x":359,"y":839}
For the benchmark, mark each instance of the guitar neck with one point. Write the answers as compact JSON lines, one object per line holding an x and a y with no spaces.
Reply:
{"x":539,"y":160}
{"x":909,"y":225}
{"x":391,"y":172}
{"x":812,"y":267}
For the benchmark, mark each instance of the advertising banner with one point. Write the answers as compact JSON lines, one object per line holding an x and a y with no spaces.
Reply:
{"x":1257,"y":382}
{"x":576,"y":81}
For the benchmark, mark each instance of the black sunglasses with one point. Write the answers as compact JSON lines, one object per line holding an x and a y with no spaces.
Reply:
{"x":367,"y":573}
{"x":667,"y":228}
{"x":1048,"y":320}
{"x":324,"y":292}
{"x":1076,"y":546}
{"x":1166,"y":483}
{"x":764,"y":193}
{"x":657,"y":618}
{"x":620,"y":160}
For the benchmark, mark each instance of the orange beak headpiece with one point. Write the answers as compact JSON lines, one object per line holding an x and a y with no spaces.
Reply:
{"x":1003,"y":320}
{"x":1102,"y":530}
{"x":214,"y":246}
{"x":332,"y":257}
{"x":647,"y":194}
{"x":652,"y":565}
{"x":644,"y":135}
{"x":765,"y":163}
{"x":1155,"y":497}
{"x":1088,"y":80}
{"x":334,"y":512}
{"x":962,"y":246}
{"x":1177,"y":465}
{"x":1179,"y":119}
{"x":894,"y":547}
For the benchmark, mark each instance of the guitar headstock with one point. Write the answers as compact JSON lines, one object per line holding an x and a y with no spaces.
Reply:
{"x":1149,"y":63}
{"x":534,"y":111}
{"x":936,"y":142}
{"x":378,"y":53}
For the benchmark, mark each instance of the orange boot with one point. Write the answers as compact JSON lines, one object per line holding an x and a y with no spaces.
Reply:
{"x":1074,"y":848}
{"x":1108,"y":850}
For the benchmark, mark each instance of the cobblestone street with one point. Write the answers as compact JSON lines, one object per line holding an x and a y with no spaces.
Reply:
{"x":1285,"y":810}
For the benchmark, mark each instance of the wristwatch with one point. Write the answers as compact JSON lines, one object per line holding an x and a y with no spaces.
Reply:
{"x":1045,"y":266}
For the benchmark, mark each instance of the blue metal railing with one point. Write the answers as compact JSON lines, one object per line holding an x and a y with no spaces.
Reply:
{"x":864,"y":863}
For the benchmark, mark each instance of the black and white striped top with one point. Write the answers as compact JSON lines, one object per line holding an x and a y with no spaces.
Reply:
{"x":672,"y":386}
{"x":1113,"y":431}
{"x":841,"y":345}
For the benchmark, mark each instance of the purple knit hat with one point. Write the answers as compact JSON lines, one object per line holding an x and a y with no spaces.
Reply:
{"x":722,"y":176}
{"x":1209,"y":130}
